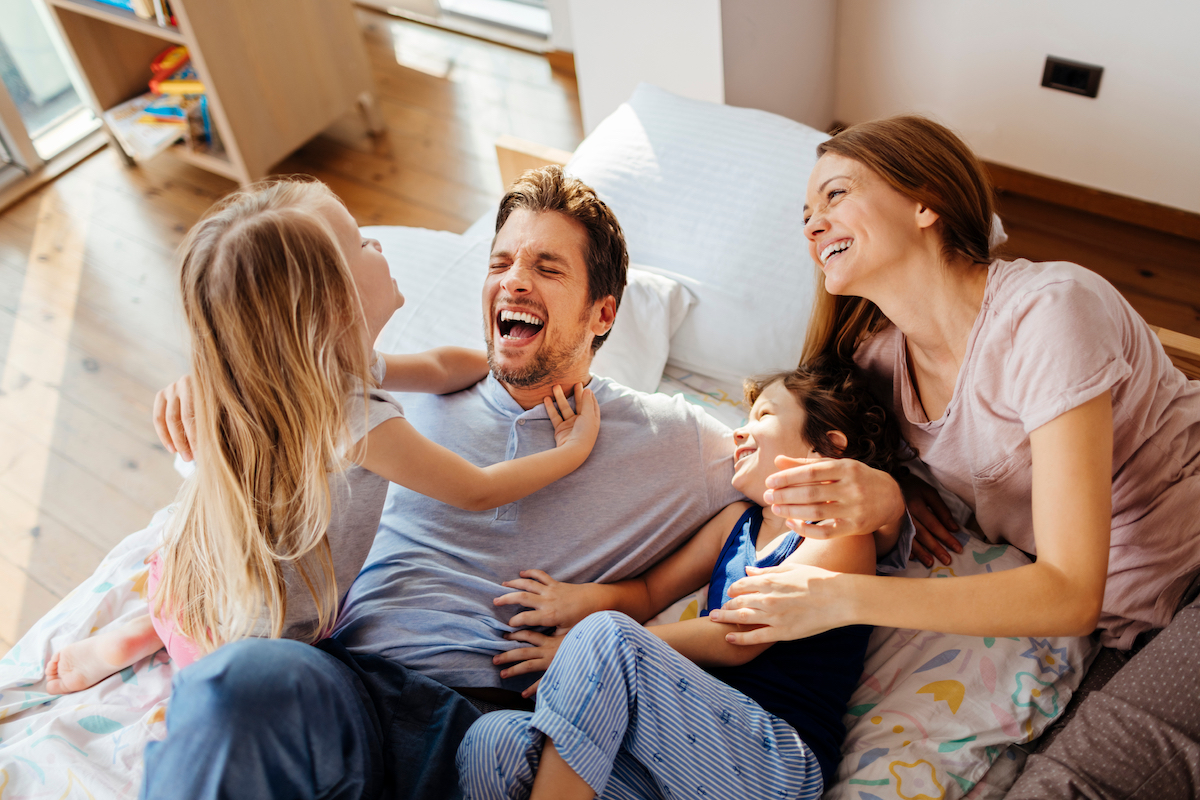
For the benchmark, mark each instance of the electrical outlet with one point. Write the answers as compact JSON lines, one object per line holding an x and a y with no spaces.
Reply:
{"x":1072,"y":76}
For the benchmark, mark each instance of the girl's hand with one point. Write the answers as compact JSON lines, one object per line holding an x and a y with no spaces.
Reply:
{"x":553,"y":603}
{"x":536,"y":658}
{"x":932,"y":519}
{"x":791,"y":601}
{"x":175,"y":419}
{"x":845,"y":496}
{"x":578,"y":429}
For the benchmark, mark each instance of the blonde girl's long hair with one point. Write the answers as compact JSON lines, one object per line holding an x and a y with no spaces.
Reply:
{"x":275,"y":323}
{"x":927,"y":162}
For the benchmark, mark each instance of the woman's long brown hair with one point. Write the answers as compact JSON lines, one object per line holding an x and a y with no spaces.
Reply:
{"x":924,"y":161}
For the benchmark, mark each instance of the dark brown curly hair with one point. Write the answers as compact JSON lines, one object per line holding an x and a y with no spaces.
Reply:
{"x":835,"y":397}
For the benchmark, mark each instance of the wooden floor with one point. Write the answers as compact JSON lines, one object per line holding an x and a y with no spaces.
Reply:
{"x":90,"y":325}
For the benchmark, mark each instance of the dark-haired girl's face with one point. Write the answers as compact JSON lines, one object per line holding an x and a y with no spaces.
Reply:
{"x":774,"y":428}
{"x":858,"y":226}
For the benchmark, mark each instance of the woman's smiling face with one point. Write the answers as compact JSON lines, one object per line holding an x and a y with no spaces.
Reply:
{"x":774,"y":428}
{"x":858,"y":225}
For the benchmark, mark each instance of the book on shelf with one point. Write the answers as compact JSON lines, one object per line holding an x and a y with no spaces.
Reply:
{"x":125,"y":4}
{"x":142,"y":140}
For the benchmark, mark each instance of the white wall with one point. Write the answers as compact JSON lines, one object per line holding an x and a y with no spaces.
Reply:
{"x":779,"y":56}
{"x":560,"y":25}
{"x":976,"y":65}
{"x":675,"y":44}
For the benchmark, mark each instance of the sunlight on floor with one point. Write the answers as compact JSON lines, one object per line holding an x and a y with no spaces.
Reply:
{"x":33,"y":371}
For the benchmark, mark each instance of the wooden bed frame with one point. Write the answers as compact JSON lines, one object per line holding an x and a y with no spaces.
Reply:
{"x":517,"y":155}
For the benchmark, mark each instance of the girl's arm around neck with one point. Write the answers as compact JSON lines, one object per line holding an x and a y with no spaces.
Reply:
{"x":1058,"y":595}
{"x":439,"y":371}
{"x":396,"y":451}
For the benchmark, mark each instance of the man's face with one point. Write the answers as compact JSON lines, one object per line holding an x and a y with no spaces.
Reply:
{"x":538,"y":321}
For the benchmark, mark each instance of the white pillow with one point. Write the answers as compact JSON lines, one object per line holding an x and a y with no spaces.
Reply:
{"x":441,"y":276}
{"x":713,"y":195}
{"x":652,"y":308}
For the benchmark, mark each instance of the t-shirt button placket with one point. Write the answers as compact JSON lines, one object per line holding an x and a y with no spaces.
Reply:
{"x":509,"y":512}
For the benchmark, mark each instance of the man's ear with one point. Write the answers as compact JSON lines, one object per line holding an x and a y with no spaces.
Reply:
{"x":604,"y":314}
{"x":926,"y":216}
{"x":838,"y":440}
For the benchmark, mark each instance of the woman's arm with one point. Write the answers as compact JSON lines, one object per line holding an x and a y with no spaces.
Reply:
{"x":439,"y":371}
{"x":396,"y":451}
{"x":560,"y":605}
{"x":710,"y":643}
{"x":1060,"y":594}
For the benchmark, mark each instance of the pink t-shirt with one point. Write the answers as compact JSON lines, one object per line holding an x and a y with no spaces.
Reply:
{"x":1048,"y":338}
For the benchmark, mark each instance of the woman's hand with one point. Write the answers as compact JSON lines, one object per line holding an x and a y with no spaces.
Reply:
{"x":536,"y":658}
{"x":579,"y":429}
{"x":552,"y":603}
{"x":175,"y":418}
{"x":845,"y":496}
{"x":790,"y":601}
{"x":932,"y":519}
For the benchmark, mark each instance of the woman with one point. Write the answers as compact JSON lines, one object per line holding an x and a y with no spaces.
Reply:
{"x":1037,"y":395}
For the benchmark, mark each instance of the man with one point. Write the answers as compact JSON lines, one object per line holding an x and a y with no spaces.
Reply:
{"x":358,"y":716}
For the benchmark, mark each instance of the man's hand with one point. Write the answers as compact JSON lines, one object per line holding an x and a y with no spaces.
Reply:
{"x":553,"y":604}
{"x":175,"y":418}
{"x":579,"y":427}
{"x":536,"y":658}
{"x":932,"y":519}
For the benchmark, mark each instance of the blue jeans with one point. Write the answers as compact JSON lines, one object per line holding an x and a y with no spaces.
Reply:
{"x":267,"y":718}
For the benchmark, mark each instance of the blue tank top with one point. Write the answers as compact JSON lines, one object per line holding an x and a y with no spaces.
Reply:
{"x":808,"y":682}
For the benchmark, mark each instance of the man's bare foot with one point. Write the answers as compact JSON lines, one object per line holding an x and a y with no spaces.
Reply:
{"x":87,"y":662}
{"x":77,"y":666}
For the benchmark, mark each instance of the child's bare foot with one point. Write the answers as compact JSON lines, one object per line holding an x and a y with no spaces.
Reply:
{"x":85,"y":663}
{"x":77,"y":666}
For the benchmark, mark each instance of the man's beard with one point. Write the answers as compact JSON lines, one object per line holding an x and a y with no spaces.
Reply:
{"x":546,"y":364}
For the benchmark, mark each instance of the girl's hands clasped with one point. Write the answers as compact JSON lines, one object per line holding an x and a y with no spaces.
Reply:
{"x":845,"y":496}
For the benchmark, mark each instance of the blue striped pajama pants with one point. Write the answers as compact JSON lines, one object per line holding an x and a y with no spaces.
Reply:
{"x":637,"y":720}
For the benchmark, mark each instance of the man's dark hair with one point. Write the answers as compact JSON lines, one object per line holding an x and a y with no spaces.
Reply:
{"x":607,"y":259}
{"x":835,"y":397}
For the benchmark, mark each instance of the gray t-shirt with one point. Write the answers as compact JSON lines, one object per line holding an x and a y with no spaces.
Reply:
{"x":358,"y":496}
{"x":660,"y":468}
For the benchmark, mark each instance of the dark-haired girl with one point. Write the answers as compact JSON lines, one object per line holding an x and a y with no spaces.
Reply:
{"x":676,"y":710}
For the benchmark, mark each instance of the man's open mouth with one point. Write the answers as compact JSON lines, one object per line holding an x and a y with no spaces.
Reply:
{"x":518,"y":325}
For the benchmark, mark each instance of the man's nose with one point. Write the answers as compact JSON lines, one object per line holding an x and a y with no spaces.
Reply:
{"x":517,"y":280}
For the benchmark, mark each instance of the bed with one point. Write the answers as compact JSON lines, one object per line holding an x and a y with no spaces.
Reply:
{"x":708,"y":198}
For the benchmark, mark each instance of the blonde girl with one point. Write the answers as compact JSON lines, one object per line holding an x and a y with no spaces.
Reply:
{"x":297,"y":434}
